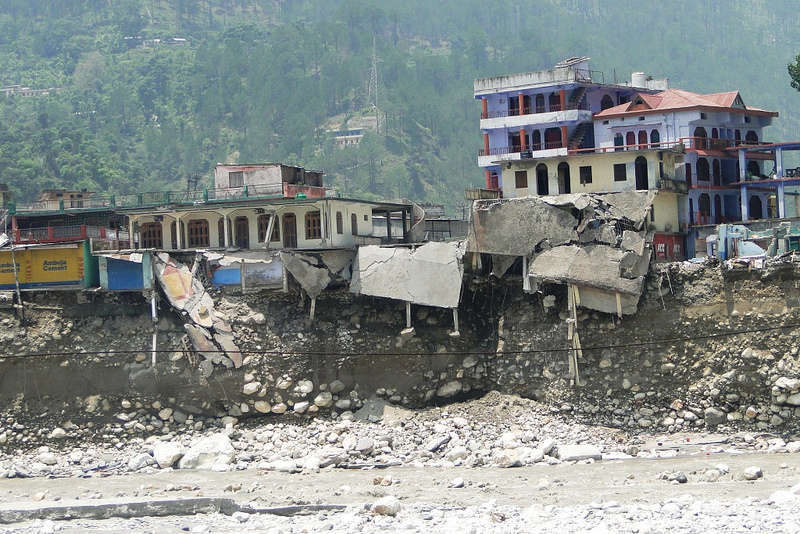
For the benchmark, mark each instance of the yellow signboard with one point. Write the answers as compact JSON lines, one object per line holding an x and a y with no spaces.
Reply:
{"x":43,"y":266}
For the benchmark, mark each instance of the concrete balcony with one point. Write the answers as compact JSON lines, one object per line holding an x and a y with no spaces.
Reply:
{"x":536,"y":119}
{"x":515,"y":153}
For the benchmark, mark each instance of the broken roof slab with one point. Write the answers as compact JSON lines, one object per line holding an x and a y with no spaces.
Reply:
{"x":429,"y":275}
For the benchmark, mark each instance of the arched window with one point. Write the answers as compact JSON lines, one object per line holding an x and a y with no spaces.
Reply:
{"x":642,"y":139}
{"x":542,"y":185}
{"x":751,"y":137}
{"x":655,"y":138}
{"x":753,"y":169}
{"x":540,"y":103}
{"x":537,"y":137}
{"x":700,"y":138}
{"x":150,"y":235}
{"x":606,"y":102}
{"x":198,"y":233}
{"x":717,"y":172}
{"x":630,"y":140}
{"x":313,"y":225}
{"x":618,"y":142}
{"x":702,"y":170}
{"x":339,"y":223}
{"x":714,"y":133}
{"x":353,"y":224}
{"x":563,"y":178}
{"x":555,"y":102}
{"x":704,"y":207}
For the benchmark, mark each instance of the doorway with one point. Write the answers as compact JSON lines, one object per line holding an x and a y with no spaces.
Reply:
{"x":640,"y":167}
{"x":755,"y":208}
{"x":563,"y":178}
{"x":241,"y":227}
{"x":289,"y":231}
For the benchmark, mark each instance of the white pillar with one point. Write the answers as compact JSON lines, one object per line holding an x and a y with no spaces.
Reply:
{"x":131,"y":222}
{"x":323,"y":226}
{"x":226,"y":229}
{"x":743,"y":188}
{"x":742,"y":166}
{"x":781,"y":202}
{"x":779,"y":163}
{"x":178,"y":233}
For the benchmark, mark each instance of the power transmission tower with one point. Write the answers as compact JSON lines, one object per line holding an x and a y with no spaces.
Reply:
{"x":372,"y":87}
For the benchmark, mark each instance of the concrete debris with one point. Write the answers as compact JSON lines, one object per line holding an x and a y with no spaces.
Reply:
{"x":501,"y":264}
{"x":596,"y":242}
{"x":515,"y":227}
{"x":429,"y":275}
{"x":210,"y":335}
{"x":316,"y":271}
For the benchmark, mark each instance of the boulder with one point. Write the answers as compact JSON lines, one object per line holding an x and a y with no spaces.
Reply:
{"x":575,"y":452}
{"x":209,"y":452}
{"x":166,"y":453}
{"x":388,"y":505}
{"x":714,"y":416}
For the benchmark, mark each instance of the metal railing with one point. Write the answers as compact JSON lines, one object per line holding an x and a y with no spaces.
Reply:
{"x":501,"y":150}
{"x":56,"y":234}
{"x":514,"y":112}
{"x":159,"y":198}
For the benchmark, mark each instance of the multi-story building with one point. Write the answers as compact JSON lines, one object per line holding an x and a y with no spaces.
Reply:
{"x":696,"y":150}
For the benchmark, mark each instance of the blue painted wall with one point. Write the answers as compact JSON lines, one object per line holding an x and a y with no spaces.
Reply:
{"x":124,"y":275}
{"x":227,"y":276}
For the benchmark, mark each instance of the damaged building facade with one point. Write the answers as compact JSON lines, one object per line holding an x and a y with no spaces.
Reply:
{"x":575,"y":133}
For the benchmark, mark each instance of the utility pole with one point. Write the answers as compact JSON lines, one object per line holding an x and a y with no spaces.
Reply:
{"x":372,"y":87}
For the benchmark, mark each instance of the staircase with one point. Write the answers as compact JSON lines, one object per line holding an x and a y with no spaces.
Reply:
{"x":577,"y":136}
{"x":576,"y":97}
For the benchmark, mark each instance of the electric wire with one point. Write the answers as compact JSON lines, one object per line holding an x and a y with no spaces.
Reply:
{"x":277,"y":352}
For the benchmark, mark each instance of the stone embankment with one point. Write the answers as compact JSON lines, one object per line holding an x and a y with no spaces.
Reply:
{"x":673,"y":366}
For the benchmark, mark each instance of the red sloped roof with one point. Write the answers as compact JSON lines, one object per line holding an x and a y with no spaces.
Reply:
{"x":676,"y":100}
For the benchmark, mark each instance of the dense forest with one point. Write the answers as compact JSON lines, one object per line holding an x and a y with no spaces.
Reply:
{"x":263,"y":80}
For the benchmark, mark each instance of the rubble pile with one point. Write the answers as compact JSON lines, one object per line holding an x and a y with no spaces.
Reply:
{"x":495,"y":431}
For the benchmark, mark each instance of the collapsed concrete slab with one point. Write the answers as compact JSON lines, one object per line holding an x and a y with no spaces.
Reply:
{"x":311,"y":276}
{"x":515,"y":227}
{"x":209,"y":332}
{"x":595,"y":242}
{"x":429,"y":275}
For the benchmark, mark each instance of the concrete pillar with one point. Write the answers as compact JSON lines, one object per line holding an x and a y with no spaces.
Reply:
{"x":488,"y":179}
{"x":323,"y":227}
{"x":742,"y":166}
{"x":522,"y":142}
{"x":562,"y":97}
{"x":178,"y":233}
{"x":484,"y":108}
{"x":521,"y":99}
{"x":781,"y":202}
{"x":486,"y":144}
{"x":779,"y":163}
{"x":563,"y":135}
{"x":388,"y":224}
{"x":131,"y":223}
{"x":405,"y":228}
{"x":408,"y":315}
{"x":743,"y":189}
{"x":226,"y":228}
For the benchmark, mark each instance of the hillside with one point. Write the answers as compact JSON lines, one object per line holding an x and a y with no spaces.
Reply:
{"x":258,"y":80}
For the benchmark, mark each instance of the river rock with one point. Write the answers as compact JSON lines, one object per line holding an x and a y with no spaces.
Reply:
{"x":209,"y":452}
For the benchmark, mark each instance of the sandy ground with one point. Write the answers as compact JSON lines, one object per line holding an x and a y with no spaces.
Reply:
{"x":628,"y":482}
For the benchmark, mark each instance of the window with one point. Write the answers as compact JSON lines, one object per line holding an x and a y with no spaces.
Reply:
{"x":655,"y":138}
{"x":703,"y":171}
{"x":606,"y":102}
{"x":746,"y":119}
{"x":521,"y":179}
{"x":354,"y":224}
{"x":339,"y":223}
{"x":630,"y":139}
{"x":150,"y":235}
{"x":703,"y":116}
{"x":605,"y":122}
{"x":641,"y":118}
{"x":236,"y":179}
{"x":586,"y":174}
{"x":313,"y":228}
{"x":652,"y":213}
{"x":263,"y":225}
{"x":198,"y":233}
{"x":620,"y":172}
{"x":366,"y":217}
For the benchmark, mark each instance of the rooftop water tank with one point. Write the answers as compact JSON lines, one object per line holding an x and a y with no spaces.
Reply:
{"x":638,"y":79}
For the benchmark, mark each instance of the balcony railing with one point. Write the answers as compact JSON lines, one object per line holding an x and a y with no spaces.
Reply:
{"x":715,"y":143}
{"x":501,"y":150}
{"x":160,"y":198}
{"x":514,"y":112}
{"x":670,"y":184}
{"x":56,"y":234}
